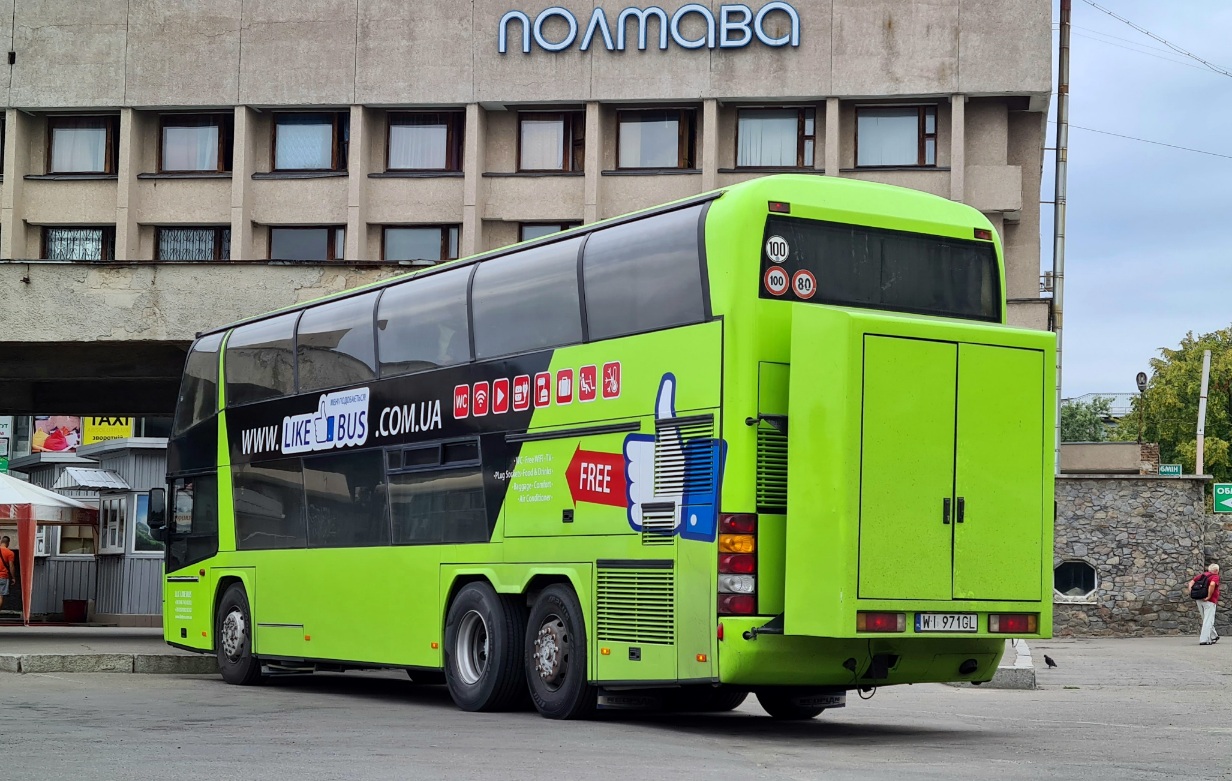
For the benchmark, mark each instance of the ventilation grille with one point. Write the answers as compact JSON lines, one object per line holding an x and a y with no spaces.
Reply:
{"x":659,"y":523}
{"x":676,"y":475}
{"x":771,"y":471}
{"x":636,"y":606}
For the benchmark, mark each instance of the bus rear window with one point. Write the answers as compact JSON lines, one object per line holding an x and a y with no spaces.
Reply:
{"x":854,"y":265}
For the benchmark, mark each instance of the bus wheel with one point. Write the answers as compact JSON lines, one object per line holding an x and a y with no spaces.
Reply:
{"x":233,"y":633}
{"x":782,"y":705}
{"x":556,"y":656}
{"x":483,"y":634}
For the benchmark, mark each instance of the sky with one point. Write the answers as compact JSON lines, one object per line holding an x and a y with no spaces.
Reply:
{"x":1149,"y":229}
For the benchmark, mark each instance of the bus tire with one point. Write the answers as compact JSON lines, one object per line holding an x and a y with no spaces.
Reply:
{"x":556,"y":656}
{"x":483,"y":638}
{"x":233,"y":630}
{"x":781,"y":705}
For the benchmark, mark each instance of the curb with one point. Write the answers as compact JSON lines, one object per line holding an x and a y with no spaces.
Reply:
{"x":157,"y":664}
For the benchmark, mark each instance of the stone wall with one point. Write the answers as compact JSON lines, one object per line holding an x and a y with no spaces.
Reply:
{"x":1145,"y":537}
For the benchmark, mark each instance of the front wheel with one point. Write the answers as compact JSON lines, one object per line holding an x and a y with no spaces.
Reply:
{"x":483,"y":642}
{"x":783,"y":705}
{"x":233,"y":638}
{"x":556,"y":656}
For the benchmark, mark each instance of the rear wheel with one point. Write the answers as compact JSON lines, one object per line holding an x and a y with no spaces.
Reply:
{"x":782,"y":705}
{"x":233,"y":638}
{"x":556,"y":656}
{"x":483,"y":643}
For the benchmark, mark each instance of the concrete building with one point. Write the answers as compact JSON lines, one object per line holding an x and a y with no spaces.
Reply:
{"x":161,"y":159}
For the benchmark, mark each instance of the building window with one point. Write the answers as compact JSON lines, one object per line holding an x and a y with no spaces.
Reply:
{"x":193,"y":243}
{"x":307,"y":243}
{"x":82,"y":145}
{"x":1074,"y":579}
{"x":195,"y":142}
{"x":656,"y":138}
{"x":311,"y":142}
{"x":425,"y":141}
{"x":537,"y":230}
{"x":896,"y":135}
{"x":79,"y":243}
{"x":775,"y":137}
{"x":143,"y":537}
{"x":551,"y":141}
{"x":111,"y":519}
{"x":422,"y":245}
{"x":76,"y":540}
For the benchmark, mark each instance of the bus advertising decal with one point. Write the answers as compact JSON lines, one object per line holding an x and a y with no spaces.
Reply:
{"x":598,"y":478}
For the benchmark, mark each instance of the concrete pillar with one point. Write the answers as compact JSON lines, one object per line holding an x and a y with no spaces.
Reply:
{"x":710,"y":144}
{"x":472,"y":182}
{"x":16,"y":166}
{"x":833,"y":137}
{"x":593,"y":162}
{"x":357,"y":190}
{"x":242,"y":167}
{"x":127,"y":242}
{"x":958,"y":146}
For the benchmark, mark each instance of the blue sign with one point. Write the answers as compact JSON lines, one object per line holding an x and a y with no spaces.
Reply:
{"x":735,"y":26}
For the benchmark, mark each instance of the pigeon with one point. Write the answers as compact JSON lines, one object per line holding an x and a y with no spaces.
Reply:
{"x":1048,"y":661}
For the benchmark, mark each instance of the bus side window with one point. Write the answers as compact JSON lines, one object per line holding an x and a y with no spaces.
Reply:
{"x":192,"y":532}
{"x":437,"y":496}
{"x":422,"y":325}
{"x":260,"y":363}
{"x":346,"y":500}
{"x":198,"y":398}
{"x":334,"y":344}
{"x":527,"y":301}
{"x":644,"y":275}
{"x":269,"y":505}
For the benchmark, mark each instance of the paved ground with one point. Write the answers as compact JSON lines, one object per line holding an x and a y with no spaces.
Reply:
{"x":38,"y":639}
{"x":1117,"y":709}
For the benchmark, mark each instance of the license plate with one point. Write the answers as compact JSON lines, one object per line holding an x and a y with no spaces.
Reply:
{"x":946,"y":622}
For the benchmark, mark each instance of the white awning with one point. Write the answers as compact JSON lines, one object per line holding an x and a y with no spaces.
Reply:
{"x":78,"y":477}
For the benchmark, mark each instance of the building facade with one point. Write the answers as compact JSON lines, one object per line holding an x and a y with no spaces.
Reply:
{"x":158,"y":155}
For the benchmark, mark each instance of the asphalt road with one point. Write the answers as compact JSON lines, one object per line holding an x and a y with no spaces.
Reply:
{"x":1168,"y":717}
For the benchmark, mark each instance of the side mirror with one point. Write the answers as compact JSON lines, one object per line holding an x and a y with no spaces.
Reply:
{"x":156,"y":516}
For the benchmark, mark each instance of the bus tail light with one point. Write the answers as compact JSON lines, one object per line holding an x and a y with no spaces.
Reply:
{"x":737,"y":581}
{"x":881,"y":622}
{"x":1013,"y":623}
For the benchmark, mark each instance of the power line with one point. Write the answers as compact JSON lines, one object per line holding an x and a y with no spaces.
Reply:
{"x":1140,"y":51}
{"x":1147,"y":141}
{"x":1169,"y":44}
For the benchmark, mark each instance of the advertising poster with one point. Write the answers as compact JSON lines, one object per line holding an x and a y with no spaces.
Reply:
{"x":55,"y":434}
{"x":97,"y":429}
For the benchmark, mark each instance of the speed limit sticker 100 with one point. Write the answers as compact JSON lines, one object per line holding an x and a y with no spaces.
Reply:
{"x":776,"y":280}
{"x":804,"y":284}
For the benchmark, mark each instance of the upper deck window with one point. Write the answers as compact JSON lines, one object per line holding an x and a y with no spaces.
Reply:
{"x":854,"y":265}
{"x":261,"y":360}
{"x":198,"y":399}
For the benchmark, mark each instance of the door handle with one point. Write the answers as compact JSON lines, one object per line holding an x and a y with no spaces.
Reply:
{"x":945,"y":511}
{"x":961,"y":510}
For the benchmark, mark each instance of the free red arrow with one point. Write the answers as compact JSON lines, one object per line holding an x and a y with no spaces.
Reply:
{"x":598,"y":478}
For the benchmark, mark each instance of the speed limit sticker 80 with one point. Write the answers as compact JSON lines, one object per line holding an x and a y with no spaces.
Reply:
{"x":804,"y":284}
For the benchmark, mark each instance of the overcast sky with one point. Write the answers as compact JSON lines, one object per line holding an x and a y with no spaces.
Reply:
{"x":1149,"y":229}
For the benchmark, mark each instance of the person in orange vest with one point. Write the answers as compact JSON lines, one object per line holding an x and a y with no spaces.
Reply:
{"x":8,"y":568}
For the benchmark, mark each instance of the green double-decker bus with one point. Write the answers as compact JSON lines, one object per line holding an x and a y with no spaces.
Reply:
{"x":775,"y":438}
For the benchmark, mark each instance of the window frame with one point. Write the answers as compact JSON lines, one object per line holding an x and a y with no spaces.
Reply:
{"x":108,"y":241}
{"x":340,"y":122}
{"x":218,"y":243}
{"x":113,"y":516}
{"x":922,"y":137}
{"x":1086,"y":597}
{"x":573,"y":150}
{"x":686,"y":138}
{"x":226,"y":131}
{"x":802,"y":137}
{"x":444,"y":227}
{"x":111,"y":153}
{"x":455,"y":130}
{"x":332,"y":251}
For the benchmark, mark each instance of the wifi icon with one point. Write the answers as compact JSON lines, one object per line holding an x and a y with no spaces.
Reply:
{"x":480,"y":398}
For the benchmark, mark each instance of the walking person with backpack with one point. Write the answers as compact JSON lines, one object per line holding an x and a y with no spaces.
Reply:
{"x":1204,"y":589}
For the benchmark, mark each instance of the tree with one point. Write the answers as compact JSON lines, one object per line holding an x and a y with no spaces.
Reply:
{"x":1083,"y":421}
{"x":1169,"y":405}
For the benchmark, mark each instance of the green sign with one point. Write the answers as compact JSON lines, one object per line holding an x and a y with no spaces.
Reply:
{"x":4,"y":465}
{"x":1223,"y":497}
{"x":1170,"y":470}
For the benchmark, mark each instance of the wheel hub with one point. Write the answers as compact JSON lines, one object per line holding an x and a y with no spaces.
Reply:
{"x":551,"y":647}
{"x":234,"y":633}
{"x":471,"y":649}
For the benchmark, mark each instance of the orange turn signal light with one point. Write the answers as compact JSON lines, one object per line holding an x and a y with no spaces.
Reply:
{"x":737,"y":543}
